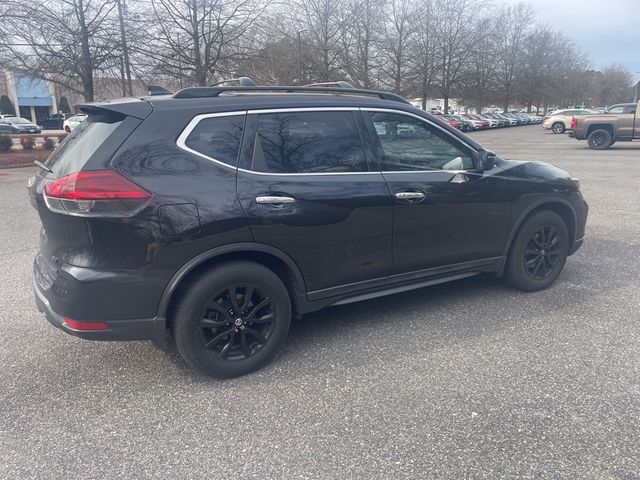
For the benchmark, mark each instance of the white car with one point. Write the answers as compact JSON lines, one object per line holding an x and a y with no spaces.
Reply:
{"x":560,"y":120}
{"x":72,"y":122}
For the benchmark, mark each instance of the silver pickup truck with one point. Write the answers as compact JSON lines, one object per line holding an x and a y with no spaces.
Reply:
{"x":620,"y":123}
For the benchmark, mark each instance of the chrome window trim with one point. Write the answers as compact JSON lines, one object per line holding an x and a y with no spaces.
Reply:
{"x":402,"y":112}
{"x":181,"y":141}
{"x":304,"y":109}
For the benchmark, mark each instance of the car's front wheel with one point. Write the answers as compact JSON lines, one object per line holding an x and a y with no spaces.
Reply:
{"x":558,"y":127}
{"x":538,"y":252}
{"x":232,"y":319}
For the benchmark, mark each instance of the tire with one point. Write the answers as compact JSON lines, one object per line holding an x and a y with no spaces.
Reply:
{"x":538,"y":252}
{"x":222,"y":345}
{"x":558,"y":127}
{"x":600,"y":139}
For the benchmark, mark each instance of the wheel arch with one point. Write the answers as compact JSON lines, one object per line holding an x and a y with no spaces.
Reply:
{"x":601,"y":126}
{"x":277,"y":261}
{"x":558,"y":205}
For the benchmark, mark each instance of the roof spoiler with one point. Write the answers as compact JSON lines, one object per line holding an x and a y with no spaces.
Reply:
{"x":129,"y":107}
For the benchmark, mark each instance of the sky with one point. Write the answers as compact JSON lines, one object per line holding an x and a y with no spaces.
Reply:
{"x":606,"y":30}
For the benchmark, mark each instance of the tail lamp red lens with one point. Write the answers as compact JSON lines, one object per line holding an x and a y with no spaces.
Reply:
{"x":95,"y":193}
{"x":95,"y":185}
{"x":574,"y":122}
{"x":85,"y":326}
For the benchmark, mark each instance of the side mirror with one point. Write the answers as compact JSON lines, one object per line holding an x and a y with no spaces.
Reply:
{"x":485,"y":160}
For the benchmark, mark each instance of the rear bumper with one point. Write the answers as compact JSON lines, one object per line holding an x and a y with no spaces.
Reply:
{"x":68,"y":296}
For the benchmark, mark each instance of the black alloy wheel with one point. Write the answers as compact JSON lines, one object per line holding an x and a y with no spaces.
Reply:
{"x":538,"y":252}
{"x":237,"y":322}
{"x":600,"y":139}
{"x":231,"y":319}
{"x":542,"y":254}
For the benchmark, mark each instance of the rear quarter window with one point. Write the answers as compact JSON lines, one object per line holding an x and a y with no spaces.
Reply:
{"x":218,"y":138}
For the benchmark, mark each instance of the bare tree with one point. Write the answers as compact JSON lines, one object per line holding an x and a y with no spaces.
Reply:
{"x":359,"y":39}
{"x":323,"y":23}
{"x":455,"y":31}
{"x":478,"y":78}
{"x":196,"y":40}
{"x":424,"y":51}
{"x":63,"y":41}
{"x":511,"y":27}
{"x":395,"y":44}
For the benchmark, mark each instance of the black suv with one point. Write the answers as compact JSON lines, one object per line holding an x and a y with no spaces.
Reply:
{"x":219,"y":213}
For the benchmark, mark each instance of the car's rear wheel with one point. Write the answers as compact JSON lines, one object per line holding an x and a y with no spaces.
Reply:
{"x":558,"y":127}
{"x":600,"y":139}
{"x":538,"y":252}
{"x":232,"y":319}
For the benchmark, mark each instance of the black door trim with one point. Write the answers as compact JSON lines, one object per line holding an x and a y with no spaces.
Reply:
{"x":475,"y":266}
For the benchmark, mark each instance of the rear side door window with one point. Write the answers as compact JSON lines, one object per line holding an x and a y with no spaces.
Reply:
{"x":308,"y":142}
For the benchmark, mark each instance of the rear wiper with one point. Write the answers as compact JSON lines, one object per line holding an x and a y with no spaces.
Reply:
{"x":42,"y":166}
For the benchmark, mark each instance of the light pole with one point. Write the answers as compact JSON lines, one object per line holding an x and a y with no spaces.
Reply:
{"x":300,"y":56}
{"x":636,"y":92}
{"x":125,"y":48}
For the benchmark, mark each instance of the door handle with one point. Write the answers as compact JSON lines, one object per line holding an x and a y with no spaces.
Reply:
{"x":274,"y":200}
{"x":410,"y":196}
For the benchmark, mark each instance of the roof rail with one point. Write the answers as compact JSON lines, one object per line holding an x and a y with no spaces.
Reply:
{"x":338,"y":84}
{"x":203,"y":92}
{"x":243,"y":81}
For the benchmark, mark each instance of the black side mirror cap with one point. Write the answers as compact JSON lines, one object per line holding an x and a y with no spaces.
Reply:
{"x":485,"y":160}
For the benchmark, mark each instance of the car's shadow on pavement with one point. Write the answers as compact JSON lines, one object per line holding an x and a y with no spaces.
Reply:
{"x":389,"y":327}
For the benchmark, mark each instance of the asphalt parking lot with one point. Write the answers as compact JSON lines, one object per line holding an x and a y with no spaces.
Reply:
{"x":464,"y":380}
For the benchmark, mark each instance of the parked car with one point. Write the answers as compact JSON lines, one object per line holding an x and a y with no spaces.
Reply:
{"x":560,"y":120}
{"x":72,"y":122}
{"x":478,"y":123}
{"x":217,"y":214}
{"x":55,"y":121}
{"x":500,"y":122}
{"x":18,"y":125}
{"x":620,"y":123}
{"x":466,"y":124}
{"x":452,"y":121}
{"x":512,"y":122}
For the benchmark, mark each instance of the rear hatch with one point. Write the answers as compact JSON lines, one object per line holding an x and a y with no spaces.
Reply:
{"x":78,"y":195}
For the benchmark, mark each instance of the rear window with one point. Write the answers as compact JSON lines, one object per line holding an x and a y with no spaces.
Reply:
{"x":82,"y":143}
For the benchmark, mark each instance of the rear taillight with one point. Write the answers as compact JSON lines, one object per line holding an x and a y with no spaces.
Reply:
{"x":574,"y":122}
{"x":545,"y":119}
{"x":103,"y":193}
